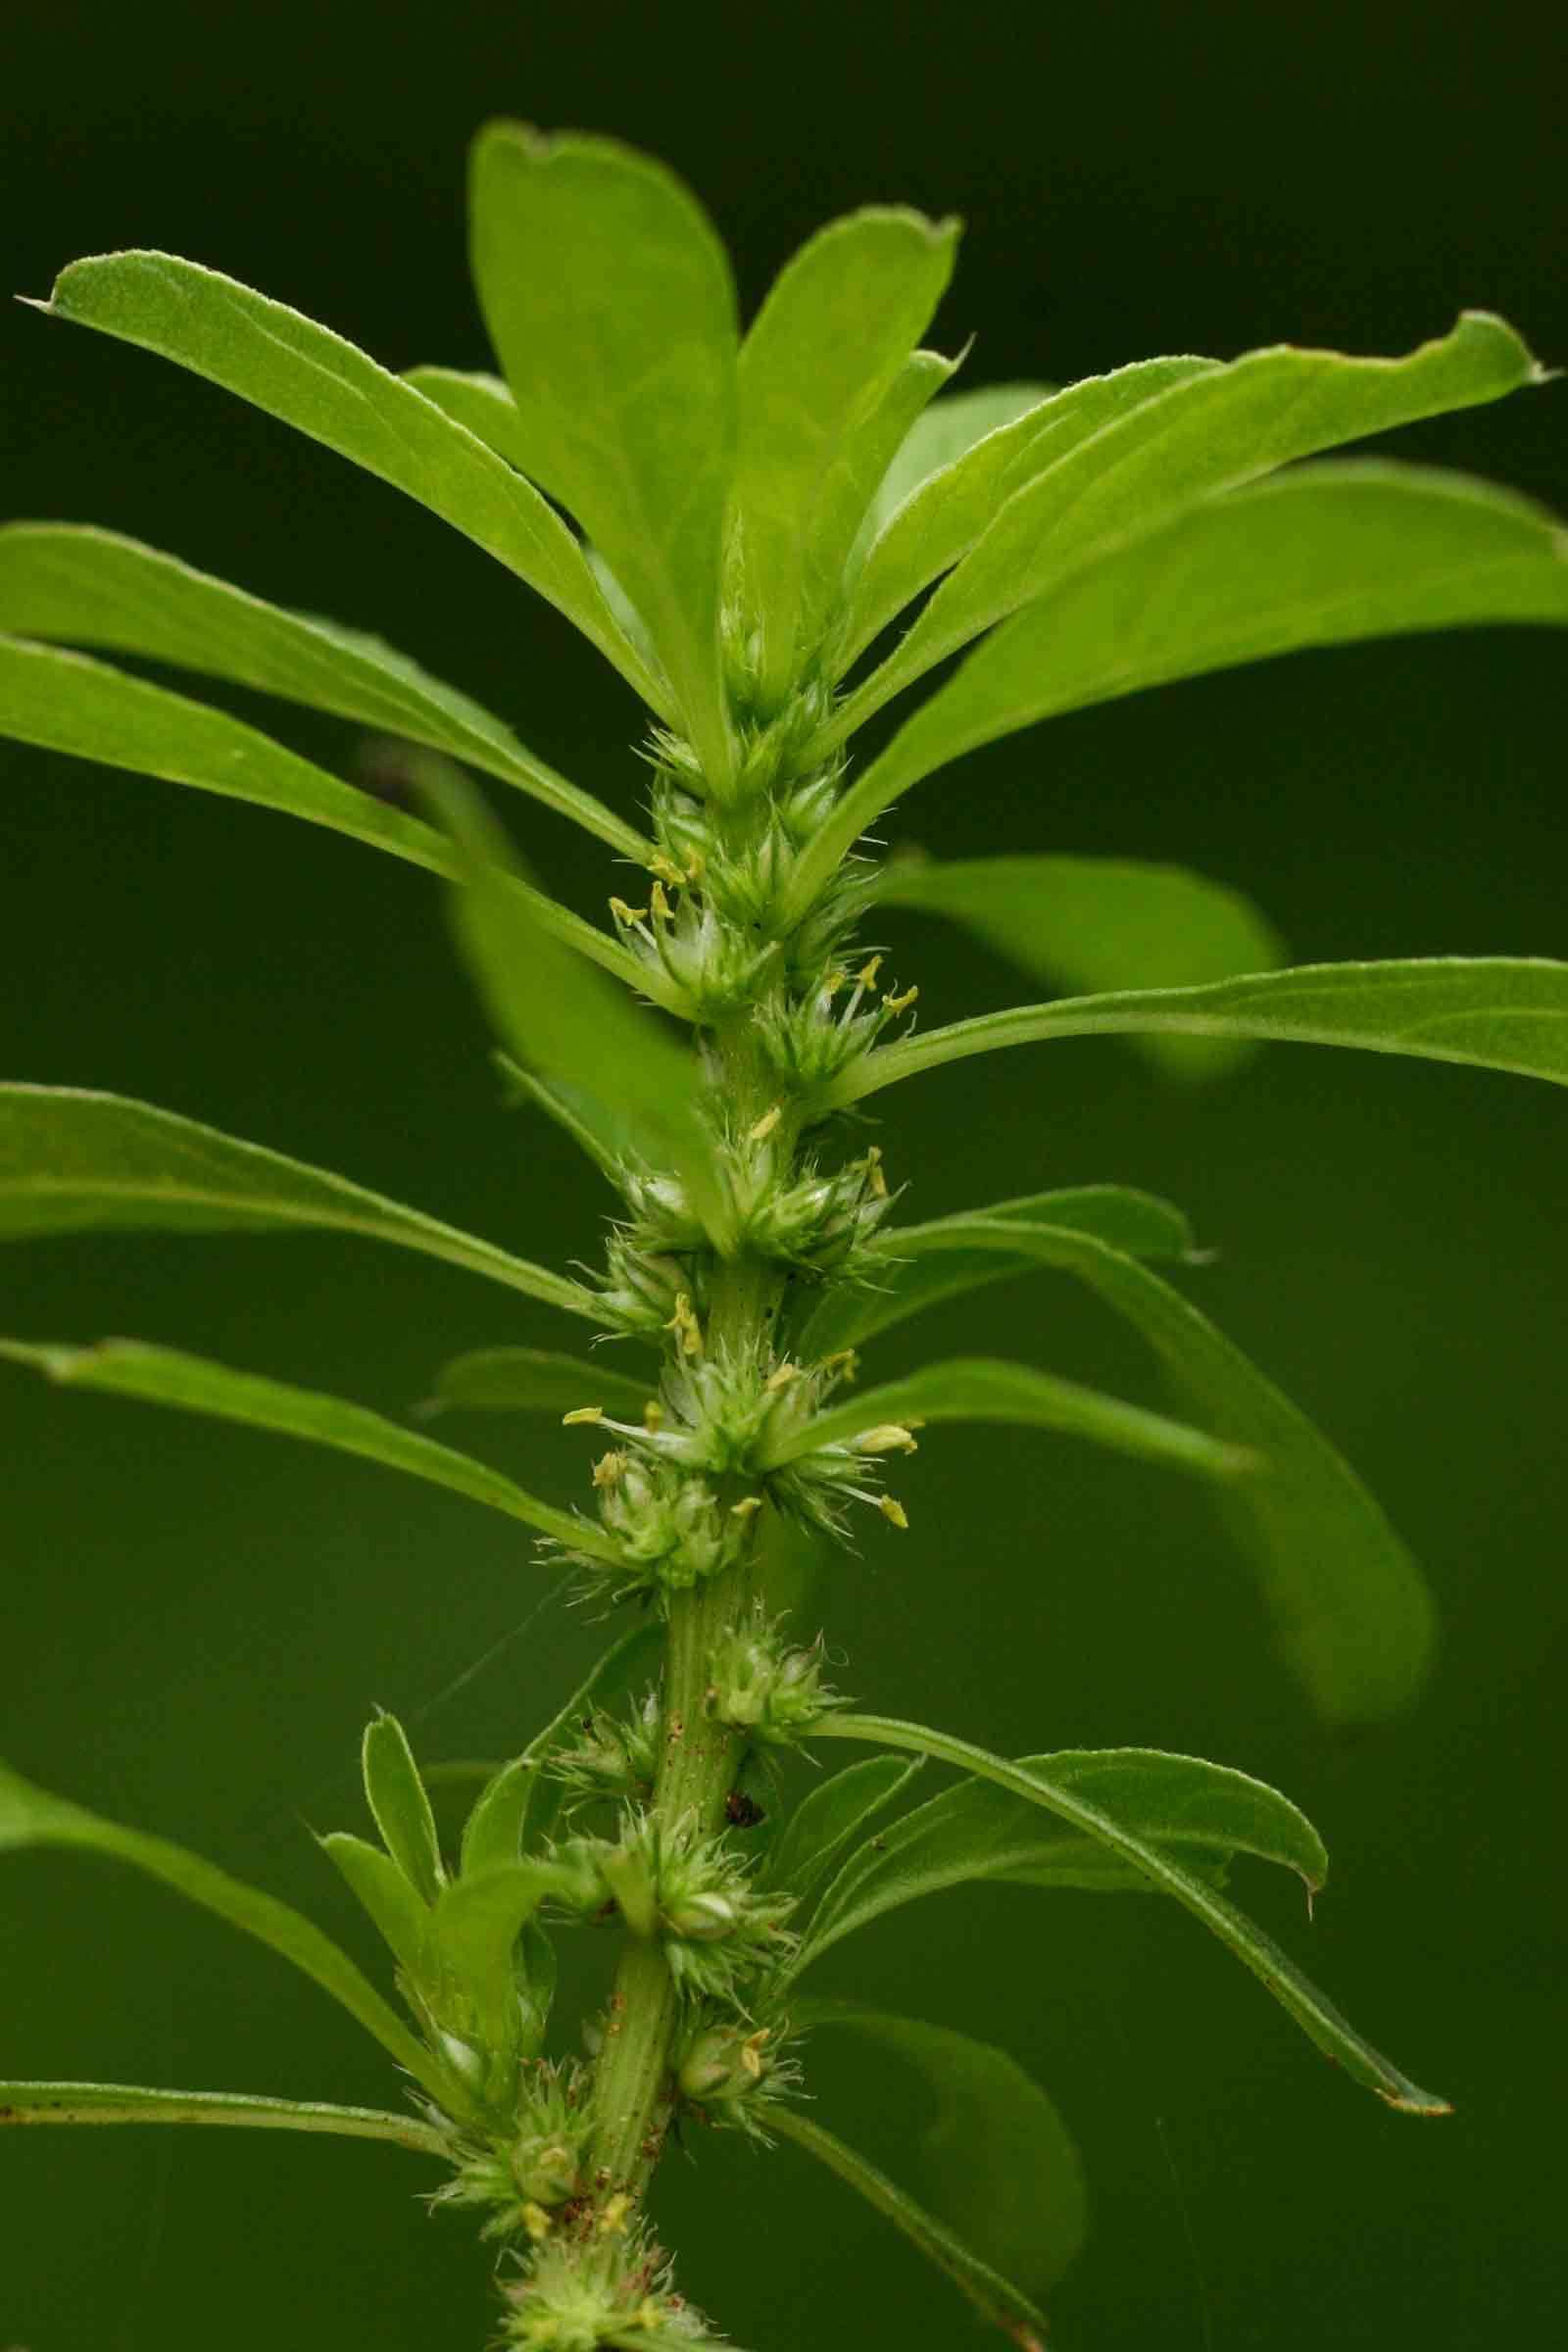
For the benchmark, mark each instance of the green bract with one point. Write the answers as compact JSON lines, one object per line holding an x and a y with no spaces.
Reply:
{"x":737,"y":521}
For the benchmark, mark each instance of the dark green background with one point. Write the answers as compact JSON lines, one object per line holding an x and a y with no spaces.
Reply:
{"x":194,"y":1623}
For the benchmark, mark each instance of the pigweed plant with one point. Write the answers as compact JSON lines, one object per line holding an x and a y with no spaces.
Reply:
{"x":760,"y":515}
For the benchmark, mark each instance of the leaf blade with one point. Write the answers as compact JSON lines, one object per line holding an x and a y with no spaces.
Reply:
{"x":1086,"y":924}
{"x":609,"y":302}
{"x":311,"y":378}
{"x":995,"y":2298}
{"x":1301,"y":1999}
{"x":986,"y":1388}
{"x":997,"y":2162}
{"x":534,"y":1380}
{"x":32,"y":1817}
{"x":828,"y":1818}
{"x":193,"y":1383}
{"x":1496,"y":1013}
{"x":1326,"y":554}
{"x":130,"y":2103}
{"x":397,"y":1797}
{"x":75,"y":1161}
{"x":837,"y":326}
{"x":79,"y":585}
{"x":1350,"y":1608}
{"x":1213,"y":431}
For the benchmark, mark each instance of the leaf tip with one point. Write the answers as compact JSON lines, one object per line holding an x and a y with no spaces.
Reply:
{"x":1411,"y":2101}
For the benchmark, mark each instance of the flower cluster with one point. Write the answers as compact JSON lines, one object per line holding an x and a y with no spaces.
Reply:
{"x":567,"y":2302}
{"x":760,"y":1686}
{"x":731,"y":2071}
{"x":720,"y":1931}
{"x":542,"y":2167}
{"x":610,"y":1759}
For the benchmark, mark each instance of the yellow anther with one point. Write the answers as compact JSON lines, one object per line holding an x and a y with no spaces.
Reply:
{"x":653,"y":1416}
{"x":648,"y":2315}
{"x":607,"y":1469}
{"x":585,"y":1413}
{"x":887,"y":1437}
{"x":781,"y":1378}
{"x":666,"y":870}
{"x":744,"y":1510}
{"x":834,"y":982}
{"x":696,"y":866}
{"x":659,"y":904}
{"x":900,"y":1003}
{"x":684,"y":1324}
{"x":752,"y":2055}
{"x":628,"y":916}
{"x":865,"y":977}
{"x":612,"y":2220}
{"x":845,"y":1362}
{"x":765,"y":1124}
{"x":536,"y":2220}
{"x":873,"y":1164}
{"x":893,"y":1510}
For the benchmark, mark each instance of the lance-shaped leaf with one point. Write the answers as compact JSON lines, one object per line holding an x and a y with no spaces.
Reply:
{"x":67,"y":702}
{"x":1324,"y":556}
{"x":993,"y":2297}
{"x":1087,"y":923}
{"x":32,"y":1817}
{"x":517,"y":1804}
{"x":940,"y":436}
{"x":942,"y":512}
{"x":826,"y":1823}
{"x":993,"y":2160}
{"x":1274,"y":1968}
{"x":564,"y":1021}
{"x":78,"y":585}
{"x":1217,"y":429}
{"x":982,"y":1389}
{"x":608,"y":300}
{"x":854,"y":484}
{"x":164,"y":1376}
{"x":920,"y":1264}
{"x":1501,"y":1012}
{"x":1351,"y":1612}
{"x":534,"y":1380}
{"x":1200,"y":1813}
{"x":314,"y":381}
{"x":75,"y":1162}
{"x":476,"y":1926}
{"x":397,"y":1797}
{"x":839,"y":324}
{"x":398,"y":1911}
{"x":130,"y":2103}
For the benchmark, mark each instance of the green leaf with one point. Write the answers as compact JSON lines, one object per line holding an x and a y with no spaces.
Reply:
{"x":475,"y":1928}
{"x":164,"y":1376}
{"x":514,"y":1803}
{"x":75,"y":1162}
{"x":981,"y":1389}
{"x":1201,"y":1813}
{"x":941,"y":435}
{"x":826,"y":1821}
{"x":534,"y":1380}
{"x":85,"y":586}
{"x":1351,"y":1612}
{"x":314,"y":381}
{"x":995,"y":2162}
{"x":921,"y":1264}
{"x":32,"y":1817}
{"x":66,"y":702}
{"x":124,"y":2103}
{"x":838,"y":327}
{"x":1501,"y":1012}
{"x":851,"y":488}
{"x":608,"y":300}
{"x":399,"y":1912}
{"x":1215,"y":430}
{"x":562,"y":1019}
{"x":397,"y":1797}
{"x":1316,"y":2017}
{"x":995,"y":2298}
{"x":1324,"y":556}
{"x":1101,"y":922}
{"x":941,"y":513}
